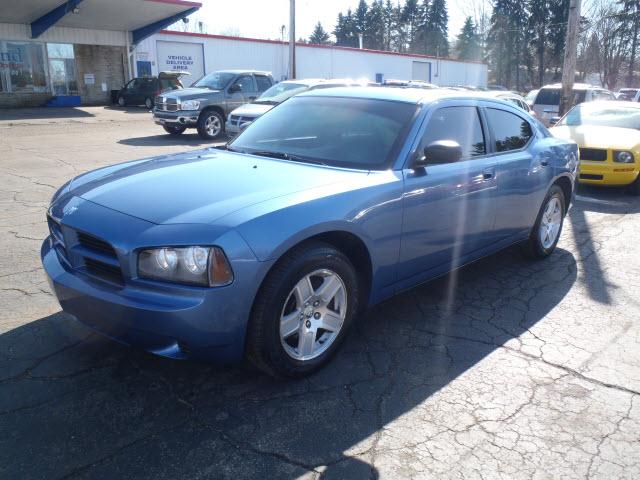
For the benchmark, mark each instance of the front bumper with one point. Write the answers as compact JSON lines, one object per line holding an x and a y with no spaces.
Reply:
{"x":185,"y":118}
{"x":165,"y":319}
{"x":604,"y":173}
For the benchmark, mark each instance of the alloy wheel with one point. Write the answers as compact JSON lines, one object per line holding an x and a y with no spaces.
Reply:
{"x":551,"y":222}
{"x":213,"y":125}
{"x":313,"y":315}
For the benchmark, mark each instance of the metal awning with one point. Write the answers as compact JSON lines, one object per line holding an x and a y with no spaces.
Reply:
{"x":140,"y":17}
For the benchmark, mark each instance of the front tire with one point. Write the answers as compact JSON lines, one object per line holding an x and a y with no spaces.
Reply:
{"x":548,"y":227}
{"x":210,"y":125}
{"x":303,"y":311}
{"x":174,"y":131}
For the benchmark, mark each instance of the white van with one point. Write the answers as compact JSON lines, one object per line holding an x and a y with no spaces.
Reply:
{"x":547,"y":102}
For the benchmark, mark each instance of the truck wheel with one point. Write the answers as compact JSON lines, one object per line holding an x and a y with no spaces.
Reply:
{"x":210,"y":125}
{"x":175,"y":131}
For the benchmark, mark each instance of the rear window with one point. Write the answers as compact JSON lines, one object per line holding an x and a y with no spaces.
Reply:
{"x":170,"y":84}
{"x":551,"y":96}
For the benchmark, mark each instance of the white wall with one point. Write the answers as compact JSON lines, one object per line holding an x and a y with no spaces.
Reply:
{"x":314,"y":62}
{"x":15,"y":31}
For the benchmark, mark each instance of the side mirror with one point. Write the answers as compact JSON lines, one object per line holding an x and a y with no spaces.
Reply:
{"x":235,"y":88}
{"x":553,"y":121}
{"x":441,"y":151}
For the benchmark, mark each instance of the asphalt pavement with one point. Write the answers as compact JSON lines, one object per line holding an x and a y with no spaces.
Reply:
{"x":504,"y":369}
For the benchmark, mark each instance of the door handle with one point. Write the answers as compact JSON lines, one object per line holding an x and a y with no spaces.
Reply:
{"x":252,"y":98}
{"x":544,"y":163}
{"x":488,"y":174}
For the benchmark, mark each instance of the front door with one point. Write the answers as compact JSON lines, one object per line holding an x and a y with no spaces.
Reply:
{"x":449,"y":209}
{"x":239,"y":92}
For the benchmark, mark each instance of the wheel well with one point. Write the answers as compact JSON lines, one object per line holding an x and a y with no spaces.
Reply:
{"x":565,"y":184}
{"x":357,"y":252}
{"x":217,"y":109}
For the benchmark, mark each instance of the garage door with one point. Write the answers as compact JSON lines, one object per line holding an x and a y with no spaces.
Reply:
{"x":181,"y":56}
{"x":421,"y":71}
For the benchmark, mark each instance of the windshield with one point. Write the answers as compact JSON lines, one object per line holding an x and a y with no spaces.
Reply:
{"x":342,"y":132}
{"x":531,"y":96}
{"x":604,"y":116}
{"x":215,"y":80}
{"x":280,"y":92}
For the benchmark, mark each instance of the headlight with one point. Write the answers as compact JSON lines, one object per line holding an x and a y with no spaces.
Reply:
{"x":623,"y":157}
{"x":190,"y":105}
{"x":206,"y":266}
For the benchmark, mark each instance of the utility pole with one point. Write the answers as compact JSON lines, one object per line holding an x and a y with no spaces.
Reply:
{"x":292,"y":39}
{"x":570,"y":54}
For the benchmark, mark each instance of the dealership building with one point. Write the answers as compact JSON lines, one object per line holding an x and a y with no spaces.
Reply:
{"x":64,"y":51}
{"x":59,"y":52}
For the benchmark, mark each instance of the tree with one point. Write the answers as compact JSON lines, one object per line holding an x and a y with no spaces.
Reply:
{"x":410,"y":19}
{"x":539,"y":13}
{"x":467,"y":44}
{"x":374,"y":35}
{"x":319,"y":36}
{"x":630,"y":16}
{"x":436,"y":29}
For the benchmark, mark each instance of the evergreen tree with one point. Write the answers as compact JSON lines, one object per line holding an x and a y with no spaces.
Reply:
{"x":389,"y":25}
{"x":360,"y":17}
{"x":436,"y":29}
{"x":375,"y":26}
{"x":467,"y":45}
{"x":319,"y":36}
{"x":539,"y":13}
{"x":411,"y":21}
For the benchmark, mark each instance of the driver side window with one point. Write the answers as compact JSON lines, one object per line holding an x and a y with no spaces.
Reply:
{"x":245,"y":83}
{"x":460,"y":124}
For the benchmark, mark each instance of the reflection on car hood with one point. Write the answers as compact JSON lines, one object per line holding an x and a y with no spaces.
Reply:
{"x":252,"y":109}
{"x":190,"y":93}
{"x":594,"y":136}
{"x":202,"y":186}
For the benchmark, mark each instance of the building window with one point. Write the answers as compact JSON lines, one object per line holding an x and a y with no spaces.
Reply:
{"x":22,"y":67}
{"x":62,"y":69}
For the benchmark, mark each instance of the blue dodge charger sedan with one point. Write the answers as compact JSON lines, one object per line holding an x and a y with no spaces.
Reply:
{"x":331,"y":202}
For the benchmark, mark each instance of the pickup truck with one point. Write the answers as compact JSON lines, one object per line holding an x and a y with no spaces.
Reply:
{"x":207,"y":104}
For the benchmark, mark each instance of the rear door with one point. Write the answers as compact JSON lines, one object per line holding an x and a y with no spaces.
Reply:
{"x":523,"y":172}
{"x":263,"y":82}
{"x":449,"y":209}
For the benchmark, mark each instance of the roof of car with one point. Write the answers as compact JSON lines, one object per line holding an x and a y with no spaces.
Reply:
{"x":407,"y":95}
{"x":612,"y":103}
{"x":576,"y":86}
{"x":238,"y":72}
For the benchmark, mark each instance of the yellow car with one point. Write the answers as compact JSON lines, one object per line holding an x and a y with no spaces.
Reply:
{"x":608,"y":134}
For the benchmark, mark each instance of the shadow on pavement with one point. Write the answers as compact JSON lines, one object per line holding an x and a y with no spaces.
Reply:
{"x":597,"y":200}
{"x":73,"y":404}
{"x":166,"y":139}
{"x":42,"y":113}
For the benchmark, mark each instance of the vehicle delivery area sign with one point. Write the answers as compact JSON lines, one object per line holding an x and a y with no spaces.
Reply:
{"x":181,"y":57}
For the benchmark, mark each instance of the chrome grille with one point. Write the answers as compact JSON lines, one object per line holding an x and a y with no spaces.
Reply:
{"x":164,"y":104}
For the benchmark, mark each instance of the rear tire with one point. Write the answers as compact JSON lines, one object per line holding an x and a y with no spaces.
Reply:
{"x":121,"y":102}
{"x":548,"y":227}
{"x":148,"y":103}
{"x":302,"y":312}
{"x":174,"y":131}
{"x":634,"y":188}
{"x":210,"y":125}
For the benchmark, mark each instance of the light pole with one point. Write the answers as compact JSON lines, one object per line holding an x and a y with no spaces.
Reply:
{"x":292,"y":39}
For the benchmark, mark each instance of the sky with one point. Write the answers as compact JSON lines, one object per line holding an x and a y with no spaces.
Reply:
{"x":264,"y":18}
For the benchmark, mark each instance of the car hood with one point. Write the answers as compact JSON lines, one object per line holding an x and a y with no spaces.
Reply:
{"x":191,"y":93}
{"x":592,"y":136}
{"x":252,"y":109}
{"x":201,"y":186}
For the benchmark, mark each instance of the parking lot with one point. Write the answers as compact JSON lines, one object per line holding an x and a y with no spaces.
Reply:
{"x":504,"y":369}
